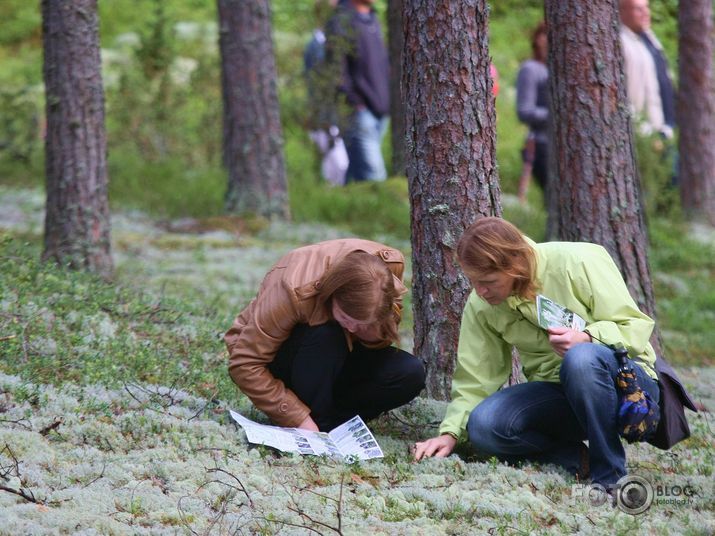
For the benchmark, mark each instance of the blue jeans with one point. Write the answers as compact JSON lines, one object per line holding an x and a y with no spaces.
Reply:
{"x":547,"y":422}
{"x":363,"y":141}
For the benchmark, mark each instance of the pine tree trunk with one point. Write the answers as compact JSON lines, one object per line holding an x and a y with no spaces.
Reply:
{"x":696,"y":109}
{"x":252,"y":134}
{"x":396,"y":42}
{"x":451,"y":164}
{"x":77,"y":226}
{"x":597,"y":185}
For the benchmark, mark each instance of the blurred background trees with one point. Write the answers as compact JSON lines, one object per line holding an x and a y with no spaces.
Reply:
{"x":187,"y":179}
{"x":252,"y":132}
{"x":696,"y":109}
{"x":161,"y":70}
{"x":77,"y":213}
{"x":596,"y":186}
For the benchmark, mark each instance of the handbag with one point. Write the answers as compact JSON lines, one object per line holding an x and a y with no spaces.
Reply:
{"x":673,"y":426}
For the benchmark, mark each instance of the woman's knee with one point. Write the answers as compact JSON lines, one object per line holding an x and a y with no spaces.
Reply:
{"x":413,"y":375}
{"x":404,"y":372}
{"x":583,"y":361}
{"x":480,"y":427}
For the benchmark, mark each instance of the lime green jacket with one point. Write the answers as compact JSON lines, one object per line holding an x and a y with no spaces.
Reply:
{"x":577,"y":275}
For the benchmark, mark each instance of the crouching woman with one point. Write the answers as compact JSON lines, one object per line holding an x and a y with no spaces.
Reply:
{"x":315,"y":346}
{"x":571,"y":393}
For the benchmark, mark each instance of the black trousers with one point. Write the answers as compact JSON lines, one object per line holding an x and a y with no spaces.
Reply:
{"x":337,"y":384}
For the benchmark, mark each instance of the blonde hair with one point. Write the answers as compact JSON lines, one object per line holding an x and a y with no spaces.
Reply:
{"x":495,"y":245}
{"x":363,"y":287}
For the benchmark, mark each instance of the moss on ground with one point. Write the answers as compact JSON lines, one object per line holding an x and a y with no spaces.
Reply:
{"x":113,"y":399}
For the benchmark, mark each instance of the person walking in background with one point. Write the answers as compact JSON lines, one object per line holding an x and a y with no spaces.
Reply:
{"x":314,"y":347}
{"x":649,"y":86}
{"x":355,"y":45}
{"x":321,"y":116}
{"x":532,"y":108}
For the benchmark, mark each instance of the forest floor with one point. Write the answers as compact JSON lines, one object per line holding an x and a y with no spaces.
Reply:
{"x":113,"y":400}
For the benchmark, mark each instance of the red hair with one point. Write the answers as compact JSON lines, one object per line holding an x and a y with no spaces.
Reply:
{"x":364,"y":288}
{"x":495,"y":245}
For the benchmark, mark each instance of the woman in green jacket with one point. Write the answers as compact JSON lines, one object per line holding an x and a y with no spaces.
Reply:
{"x":571,"y":393}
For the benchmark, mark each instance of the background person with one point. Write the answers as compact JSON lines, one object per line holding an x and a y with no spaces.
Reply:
{"x":532,"y":108}
{"x":313,"y":349}
{"x":322,"y":117}
{"x":355,"y":46}
{"x":649,"y":86}
{"x":571,"y":393}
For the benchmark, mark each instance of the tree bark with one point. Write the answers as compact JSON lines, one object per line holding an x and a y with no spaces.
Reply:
{"x":696,"y":109}
{"x":596,"y":185}
{"x":451,"y":164}
{"x":396,"y":41}
{"x":253,"y":138}
{"x":77,"y":226}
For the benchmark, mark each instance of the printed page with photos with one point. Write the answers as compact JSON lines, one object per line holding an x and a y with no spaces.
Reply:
{"x":351,"y":439}
{"x":551,"y":314}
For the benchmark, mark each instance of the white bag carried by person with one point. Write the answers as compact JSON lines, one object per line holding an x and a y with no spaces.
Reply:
{"x":335,"y":157}
{"x":335,"y":163}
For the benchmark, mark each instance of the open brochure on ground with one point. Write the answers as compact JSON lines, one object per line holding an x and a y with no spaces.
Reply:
{"x":351,"y":439}
{"x":551,"y":315}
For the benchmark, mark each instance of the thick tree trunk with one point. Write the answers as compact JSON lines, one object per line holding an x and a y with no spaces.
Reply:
{"x":396,"y":42}
{"x":252,"y":134}
{"x":597,"y":186}
{"x":696,"y":109}
{"x":451,"y":164}
{"x":77,"y":217}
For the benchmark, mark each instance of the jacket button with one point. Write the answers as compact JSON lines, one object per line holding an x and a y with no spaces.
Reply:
{"x":284,"y":407}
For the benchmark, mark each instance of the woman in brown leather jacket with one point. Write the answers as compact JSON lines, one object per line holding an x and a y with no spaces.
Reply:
{"x":314,"y":348}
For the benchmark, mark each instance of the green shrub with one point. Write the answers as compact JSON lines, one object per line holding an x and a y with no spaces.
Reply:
{"x":166,"y":188}
{"x":62,"y":326}
{"x":655,"y":168}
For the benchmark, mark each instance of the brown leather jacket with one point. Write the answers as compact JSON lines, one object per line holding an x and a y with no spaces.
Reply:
{"x":287,"y":297}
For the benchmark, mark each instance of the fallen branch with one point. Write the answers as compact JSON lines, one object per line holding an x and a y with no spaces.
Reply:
{"x":240,"y":486}
{"x":101,"y":475}
{"x":14,"y":467}
{"x":17,"y":422}
{"x":28,"y":496}
{"x":52,"y":426}
{"x":203,"y":408}
{"x":145,"y":403}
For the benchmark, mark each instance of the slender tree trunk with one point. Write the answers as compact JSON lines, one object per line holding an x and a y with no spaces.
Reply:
{"x":597,"y":190}
{"x":253,"y":138}
{"x":77,"y":223}
{"x":696,"y":109}
{"x":396,"y":42}
{"x":451,"y":164}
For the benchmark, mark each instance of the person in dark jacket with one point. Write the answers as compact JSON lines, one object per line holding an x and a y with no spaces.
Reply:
{"x":355,"y":45}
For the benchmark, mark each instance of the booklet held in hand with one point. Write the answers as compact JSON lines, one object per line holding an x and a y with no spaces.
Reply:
{"x":553,"y":315}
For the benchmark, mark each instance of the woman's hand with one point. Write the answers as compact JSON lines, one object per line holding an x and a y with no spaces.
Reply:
{"x":309,"y":424}
{"x":440,"y":447}
{"x":562,"y":339}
